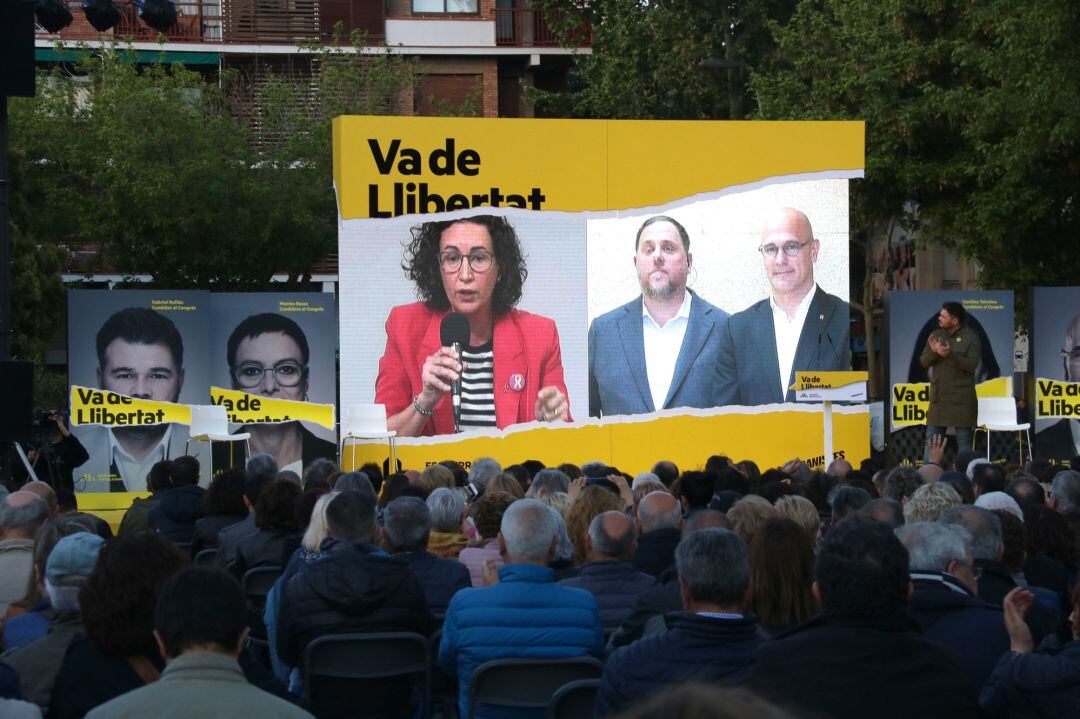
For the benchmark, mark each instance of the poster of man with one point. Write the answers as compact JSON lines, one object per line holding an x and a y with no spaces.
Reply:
{"x":145,"y":344}
{"x":1055,"y":339}
{"x":912,"y":318}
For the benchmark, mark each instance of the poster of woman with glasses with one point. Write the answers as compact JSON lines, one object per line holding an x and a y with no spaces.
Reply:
{"x":279,"y":346}
{"x":510,"y":363}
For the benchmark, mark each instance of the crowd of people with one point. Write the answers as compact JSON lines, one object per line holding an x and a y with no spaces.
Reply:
{"x":719,"y":591}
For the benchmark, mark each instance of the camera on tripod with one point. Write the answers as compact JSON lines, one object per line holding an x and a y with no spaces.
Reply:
{"x":44,"y":419}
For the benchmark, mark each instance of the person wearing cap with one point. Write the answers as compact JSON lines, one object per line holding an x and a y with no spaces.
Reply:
{"x":38,"y":663}
{"x":28,"y":618}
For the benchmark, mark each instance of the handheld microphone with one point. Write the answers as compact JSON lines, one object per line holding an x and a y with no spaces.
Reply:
{"x":454,"y":333}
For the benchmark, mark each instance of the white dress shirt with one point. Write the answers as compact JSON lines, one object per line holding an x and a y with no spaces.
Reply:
{"x":787,"y":335}
{"x":662,"y":346}
{"x":132,"y":471}
{"x":1074,"y":432}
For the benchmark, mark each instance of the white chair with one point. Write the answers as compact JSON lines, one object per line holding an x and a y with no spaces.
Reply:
{"x":210,"y":423}
{"x":998,"y":414}
{"x":366,"y":421}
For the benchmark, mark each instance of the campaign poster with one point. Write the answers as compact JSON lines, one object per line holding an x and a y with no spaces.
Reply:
{"x":280,"y":345}
{"x":173,"y":347}
{"x":910,"y":319}
{"x":1055,"y":357}
{"x":560,"y":244}
{"x":147,"y":344}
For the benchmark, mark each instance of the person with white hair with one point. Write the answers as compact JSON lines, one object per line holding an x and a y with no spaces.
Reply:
{"x":986,"y":528}
{"x":645,"y":478}
{"x":945,"y":602}
{"x":482,"y":470}
{"x":999,"y":500}
{"x":447,"y":513}
{"x":1065,"y":500}
{"x":524,"y":615}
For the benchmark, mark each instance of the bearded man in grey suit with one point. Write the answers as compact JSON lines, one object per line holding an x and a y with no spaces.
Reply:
{"x":658,"y":350}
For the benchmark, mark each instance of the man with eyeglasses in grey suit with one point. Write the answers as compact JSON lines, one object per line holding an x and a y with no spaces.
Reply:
{"x":1061,"y":440}
{"x":798,"y":328}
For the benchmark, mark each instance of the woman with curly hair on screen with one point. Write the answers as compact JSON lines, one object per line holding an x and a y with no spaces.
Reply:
{"x":510,"y":368}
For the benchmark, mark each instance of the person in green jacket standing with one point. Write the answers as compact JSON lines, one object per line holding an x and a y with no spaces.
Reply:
{"x":952,"y":355}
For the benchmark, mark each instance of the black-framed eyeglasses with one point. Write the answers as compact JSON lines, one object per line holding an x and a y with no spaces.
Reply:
{"x":287,"y":374}
{"x":450,"y":261}
{"x":1072,"y":355}
{"x":791,"y":249}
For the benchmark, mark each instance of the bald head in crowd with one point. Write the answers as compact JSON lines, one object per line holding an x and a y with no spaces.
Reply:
{"x":46,"y":493}
{"x":839,"y":468}
{"x":659,"y":510}
{"x":23,"y":512}
{"x":612,"y":537}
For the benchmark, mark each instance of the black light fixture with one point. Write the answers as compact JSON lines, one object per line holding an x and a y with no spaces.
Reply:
{"x":53,"y":15}
{"x":159,"y":14}
{"x":102,"y":14}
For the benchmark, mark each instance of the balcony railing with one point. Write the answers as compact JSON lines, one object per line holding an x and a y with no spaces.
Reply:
{"x":282,"y":22}
{"x":525,"y":27}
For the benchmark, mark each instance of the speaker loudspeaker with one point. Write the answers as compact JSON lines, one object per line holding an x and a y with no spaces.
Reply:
{"x":17,"y":407}
{"x":17,"y":48}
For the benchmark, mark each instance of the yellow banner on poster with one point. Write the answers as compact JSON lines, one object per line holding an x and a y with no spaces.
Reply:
{"x":111,"y":409}
{"x":826,"y":380}
{"x":392,"y":166}
{"x":244,"y":408}
{"x":1054,"y":399}
{"x":911,"y":401}
{"x":770,"y":435}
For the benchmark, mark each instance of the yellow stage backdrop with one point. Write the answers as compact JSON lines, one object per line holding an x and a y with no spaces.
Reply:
{"x":771,"y":435}
{"x":390,"y":166}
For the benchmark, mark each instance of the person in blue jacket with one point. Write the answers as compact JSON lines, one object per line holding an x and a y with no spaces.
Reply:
{"x":524,"y":615}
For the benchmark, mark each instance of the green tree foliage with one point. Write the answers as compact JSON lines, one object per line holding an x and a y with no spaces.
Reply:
{"x":156,"y":168}
{"x":646,"y":54}
{"x":973,"y":121}
{"x":294,"y":116}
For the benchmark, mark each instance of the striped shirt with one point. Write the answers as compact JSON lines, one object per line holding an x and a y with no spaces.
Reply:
{"x":478,"y":386}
